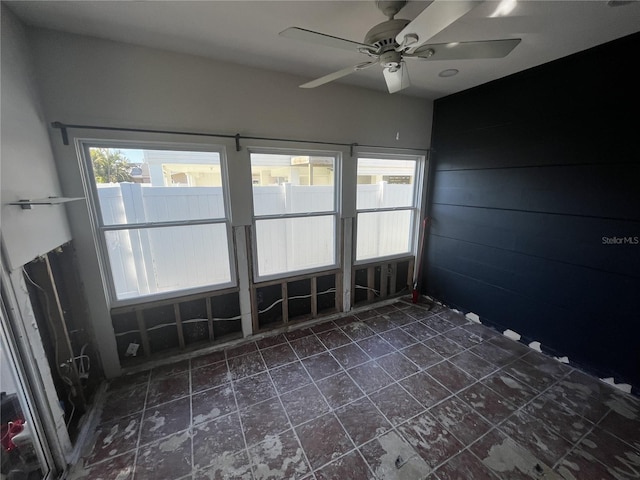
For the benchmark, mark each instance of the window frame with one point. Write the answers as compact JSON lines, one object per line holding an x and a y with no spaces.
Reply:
{"x":417,"y":204}
{"x":337,"y":208}
{"x":100,"y":229}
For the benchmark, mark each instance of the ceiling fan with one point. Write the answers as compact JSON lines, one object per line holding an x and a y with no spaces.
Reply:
{"x":393,"y":41}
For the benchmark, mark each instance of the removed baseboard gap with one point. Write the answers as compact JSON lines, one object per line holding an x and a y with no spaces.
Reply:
{"x":537,"y":346}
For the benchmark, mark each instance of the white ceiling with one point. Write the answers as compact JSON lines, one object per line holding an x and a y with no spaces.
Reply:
{"x":246,"y":32}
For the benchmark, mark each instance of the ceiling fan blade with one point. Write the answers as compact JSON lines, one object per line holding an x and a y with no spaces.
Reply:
{"x":397,"y":80}
{"x":310,"y":36}
{"x":465,"y":50}
{"x":336,"y":75}
{"x":435,"y":18}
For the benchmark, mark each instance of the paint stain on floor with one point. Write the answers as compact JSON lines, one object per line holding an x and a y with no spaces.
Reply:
{"x":397,"y":393}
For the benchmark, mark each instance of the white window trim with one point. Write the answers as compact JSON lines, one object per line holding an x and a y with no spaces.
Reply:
{"x":337,"y":156}
{"x":99,"y":229}
{"x":417,"y":206}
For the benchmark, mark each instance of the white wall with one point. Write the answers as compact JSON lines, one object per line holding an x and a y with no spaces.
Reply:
{"x":85,"y":80}
{"x":28,"y":170}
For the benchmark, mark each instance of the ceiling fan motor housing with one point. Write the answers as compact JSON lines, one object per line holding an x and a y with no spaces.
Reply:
{"x":384,"y":34}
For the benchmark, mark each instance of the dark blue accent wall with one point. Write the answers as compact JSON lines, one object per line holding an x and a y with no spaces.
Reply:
{"x":530,"y":173}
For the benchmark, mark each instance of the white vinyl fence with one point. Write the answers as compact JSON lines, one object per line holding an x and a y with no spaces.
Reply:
{"x":152,"y":260}
{"x":382,"y":234}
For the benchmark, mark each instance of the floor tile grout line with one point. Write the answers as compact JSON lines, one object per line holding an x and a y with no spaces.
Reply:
{"x":397,"y":382}
{"x":597,"y":424}
{"x":501,"y":367}
{"x":406,"y":421}
{"x":591,"y":430}
{"x":574,"y":447}
{"x":356,"y":342}
{"x":142,"y":417}
{"x":237,"y":412}
{"x":476,"y":441}
{"x":497,"y":426}
{"x":313,"y":382}
{"x":471,"y":452}
{"x":343,"y":368}
{"x":497,"y":429}
{"x":288,"y":417}
{"x":191,"y":419}
{"x":516,"y":357}
{"x":493,"y":425}
{"x":331,"y":410}
{"x":531,"y":400}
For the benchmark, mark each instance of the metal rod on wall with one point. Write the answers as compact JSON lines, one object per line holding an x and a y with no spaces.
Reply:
{"x":63,"y":127}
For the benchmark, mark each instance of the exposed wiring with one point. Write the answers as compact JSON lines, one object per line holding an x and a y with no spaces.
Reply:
{"x":368,"y":288}
{"x":191,"y":320}
{"x":83,"y":370}
{"x":73,"y":410}
{"x":270,"y":306}
{"x":237,"y":317}
{"x":330,"y":290}
{"x":58,"y":364}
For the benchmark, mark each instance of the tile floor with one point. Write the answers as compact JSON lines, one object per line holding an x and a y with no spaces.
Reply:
{"x":397,"y":392}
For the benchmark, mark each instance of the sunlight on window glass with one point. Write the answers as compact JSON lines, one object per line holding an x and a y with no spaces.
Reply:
{"x":286,"y":184}
{"x":141,"y":186}
{"x":382,"y":234}
{"x":384,"y":183}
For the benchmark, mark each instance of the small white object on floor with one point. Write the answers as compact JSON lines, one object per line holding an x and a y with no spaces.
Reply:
{"x":512,"y":335}
{"x":536,"y":346}
{"x":625,"y":387}
{"x":562,"y":359}
{"x":473,"y":317}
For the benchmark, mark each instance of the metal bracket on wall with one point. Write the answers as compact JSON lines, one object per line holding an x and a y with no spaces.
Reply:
{"x":28,"y":204}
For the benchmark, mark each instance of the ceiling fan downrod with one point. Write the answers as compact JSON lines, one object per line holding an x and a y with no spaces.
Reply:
{"x":390,"y":8}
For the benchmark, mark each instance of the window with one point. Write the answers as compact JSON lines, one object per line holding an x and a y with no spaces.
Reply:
{"x":295,"y":213}
{"x":387,"y":203}
{"x":162,"y":218}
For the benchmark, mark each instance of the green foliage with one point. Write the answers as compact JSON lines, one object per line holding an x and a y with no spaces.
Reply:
{"x":110,"y":166}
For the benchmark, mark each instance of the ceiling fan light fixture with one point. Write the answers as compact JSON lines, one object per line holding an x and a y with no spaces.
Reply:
{"x":390,"y":59}
{"x":449,"y":72}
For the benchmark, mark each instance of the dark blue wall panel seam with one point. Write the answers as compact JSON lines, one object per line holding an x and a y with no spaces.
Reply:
{"x":519,"y":252}
{"x":568,"y":309}
{"x":623,"y":219}
{"x":541,"y":165}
